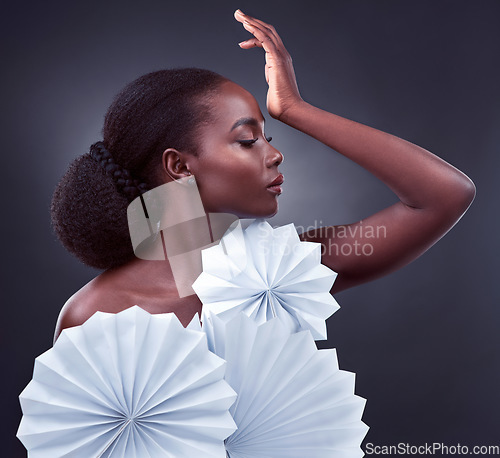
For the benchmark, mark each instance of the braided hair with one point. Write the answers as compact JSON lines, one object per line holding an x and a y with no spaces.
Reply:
{"x":157,"y":111}
{"x":130,"y":187}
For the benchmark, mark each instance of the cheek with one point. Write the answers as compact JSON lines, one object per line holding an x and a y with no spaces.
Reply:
{"x":225,"y":184}
{"x":232,"y":167}
{"x":232,"y":181}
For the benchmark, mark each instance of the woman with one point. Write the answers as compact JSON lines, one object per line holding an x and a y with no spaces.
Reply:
{"x":169,"y":125}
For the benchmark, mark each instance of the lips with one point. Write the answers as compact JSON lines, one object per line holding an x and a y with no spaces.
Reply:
{"x":275,"y":186}
{"x":277,"y":181}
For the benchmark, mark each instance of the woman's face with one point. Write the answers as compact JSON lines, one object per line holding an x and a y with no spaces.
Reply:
{"x":236,"y":165}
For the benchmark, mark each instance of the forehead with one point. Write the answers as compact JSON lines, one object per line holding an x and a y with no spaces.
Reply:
{"x":231,"y":103}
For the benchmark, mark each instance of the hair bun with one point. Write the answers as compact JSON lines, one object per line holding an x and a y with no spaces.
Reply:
{"x":158,"y":110}
{"x":89,"y":215}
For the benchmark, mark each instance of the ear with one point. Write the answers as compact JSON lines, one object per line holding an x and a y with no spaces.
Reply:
{"x":174,"y":164}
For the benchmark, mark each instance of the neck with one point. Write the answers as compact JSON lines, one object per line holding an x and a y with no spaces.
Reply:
{"x":169,"y":227}
{"x":180,"y":260}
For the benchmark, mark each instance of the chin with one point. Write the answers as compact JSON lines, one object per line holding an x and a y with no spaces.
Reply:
{"x":269,"y":213}
{"x":251,"y":214}
{"x":267,"y":210}
{"x":272,"y":214}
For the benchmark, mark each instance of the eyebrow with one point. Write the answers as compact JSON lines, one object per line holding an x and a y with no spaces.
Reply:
{"x":245,"y":121}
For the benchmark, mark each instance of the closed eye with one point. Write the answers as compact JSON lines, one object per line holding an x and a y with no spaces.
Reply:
{"x":249,"y":143}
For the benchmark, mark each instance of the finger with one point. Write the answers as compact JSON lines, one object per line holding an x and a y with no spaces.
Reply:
{"x":242,"y":17}
{"x":249,"y":20}
{"x":252,"y":43}
{"x":264,"y":38}
{"x":265,"y":25}
{"x":269,"y":40}
{"x":239,"y":15}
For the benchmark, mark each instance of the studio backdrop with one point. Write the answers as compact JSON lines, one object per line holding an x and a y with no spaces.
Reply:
{"x":423,"y":341}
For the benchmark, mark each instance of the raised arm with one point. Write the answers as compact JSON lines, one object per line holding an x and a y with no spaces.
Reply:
{"x":433,"y":194}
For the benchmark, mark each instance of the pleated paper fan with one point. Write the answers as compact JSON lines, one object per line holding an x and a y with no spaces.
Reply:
{"x":130,"y":384}
{"x":266,"y":273}
{"x":293,"y":400}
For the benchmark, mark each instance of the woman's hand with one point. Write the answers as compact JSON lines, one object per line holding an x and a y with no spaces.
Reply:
{"x":433,"y":194}
{"x":283,"y":92}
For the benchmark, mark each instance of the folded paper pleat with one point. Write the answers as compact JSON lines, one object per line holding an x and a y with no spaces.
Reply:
{"x":266,"y":273}
{"x":293,"y":400}
{"x":124,"y":385}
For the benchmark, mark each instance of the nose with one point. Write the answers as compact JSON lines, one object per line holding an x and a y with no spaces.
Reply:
{"x":274,"y":157}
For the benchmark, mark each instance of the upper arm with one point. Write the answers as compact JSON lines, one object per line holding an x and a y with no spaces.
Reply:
{"x":381,"y":243}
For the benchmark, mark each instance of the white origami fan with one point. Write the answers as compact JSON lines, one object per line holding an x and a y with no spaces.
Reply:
{"x":127,"y":385}
{"x":293,"y":401}
{"x":265,"y":273}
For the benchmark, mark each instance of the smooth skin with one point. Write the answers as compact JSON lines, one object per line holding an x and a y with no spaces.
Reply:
{"x":433,"y":195}
{"x":236,"y":163}
{"x":234,"y":166}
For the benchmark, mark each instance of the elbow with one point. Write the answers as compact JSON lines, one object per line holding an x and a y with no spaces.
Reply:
{"x":459,"y":196}
{"x":466,"y":194}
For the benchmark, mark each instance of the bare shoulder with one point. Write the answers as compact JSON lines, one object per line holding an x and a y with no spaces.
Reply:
{"x":136,"y":283}
{"x":93,"y":297}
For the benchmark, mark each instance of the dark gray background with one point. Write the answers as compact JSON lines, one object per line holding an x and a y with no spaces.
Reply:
{"x":423,"y":341}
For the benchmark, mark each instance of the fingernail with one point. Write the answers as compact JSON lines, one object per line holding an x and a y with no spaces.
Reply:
{"x":239,"y":11}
